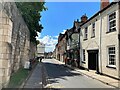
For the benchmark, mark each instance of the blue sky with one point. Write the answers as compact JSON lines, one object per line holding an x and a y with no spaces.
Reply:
{"x":60,"y":16}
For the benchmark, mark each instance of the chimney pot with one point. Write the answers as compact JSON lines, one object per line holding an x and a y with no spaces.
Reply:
{"x":84,"y":18}
{"x":104,"y":3}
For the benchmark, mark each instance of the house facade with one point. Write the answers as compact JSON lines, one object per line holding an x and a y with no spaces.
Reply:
{"x":40,"y":49}
{"x":56,"y":51}
{"x":73,"y":43}
{"x":61,"y":47}
{"x":99,"y":41}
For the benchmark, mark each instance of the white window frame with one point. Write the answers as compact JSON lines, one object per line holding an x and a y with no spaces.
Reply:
{"x":83,"y":55}
{"x":93,"y":30}
{"x":114,"y":19}
{"x":86,"y":33}
{"x":111,"y":54}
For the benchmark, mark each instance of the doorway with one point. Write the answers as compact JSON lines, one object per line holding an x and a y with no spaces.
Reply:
{"x":93,"y":63}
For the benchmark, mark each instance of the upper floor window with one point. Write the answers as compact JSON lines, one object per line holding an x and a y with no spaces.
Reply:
{"x":111,"y":56}
{"x":93,"y":30}
{"x":86,"y":33}
{"x":83,"y":55}
{"x":112,"y":22}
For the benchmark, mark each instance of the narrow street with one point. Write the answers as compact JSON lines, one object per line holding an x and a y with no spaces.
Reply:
{"x":64,"y":77}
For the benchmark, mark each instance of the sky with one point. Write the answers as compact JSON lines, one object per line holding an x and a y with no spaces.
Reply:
{"x":60,"y":16}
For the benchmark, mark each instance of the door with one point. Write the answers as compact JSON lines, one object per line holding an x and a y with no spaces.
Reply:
{"x":93,"y":62}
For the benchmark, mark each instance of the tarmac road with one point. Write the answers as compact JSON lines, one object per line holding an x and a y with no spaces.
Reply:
{"x":64,"y":77}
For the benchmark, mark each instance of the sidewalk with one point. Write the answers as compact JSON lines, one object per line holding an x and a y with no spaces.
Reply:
{"x":36,"y":78}
{"x":105,"y":79}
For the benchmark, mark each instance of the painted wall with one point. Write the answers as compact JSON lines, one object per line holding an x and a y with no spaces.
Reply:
{"x":101,"y":41}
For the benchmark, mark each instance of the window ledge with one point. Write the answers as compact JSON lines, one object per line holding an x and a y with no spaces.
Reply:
{"x":83,"y":62}
{"x":92,"y":36}
{"x":110,"y":31}
{"x":85,"y":39}
{"x":111,"y":67}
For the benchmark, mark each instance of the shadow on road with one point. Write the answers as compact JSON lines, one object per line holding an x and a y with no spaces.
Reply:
{"x":58,"y":71}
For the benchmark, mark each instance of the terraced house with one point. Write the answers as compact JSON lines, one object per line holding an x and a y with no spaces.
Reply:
{"x":100,"y":41}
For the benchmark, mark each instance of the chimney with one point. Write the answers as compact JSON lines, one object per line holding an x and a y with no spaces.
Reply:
{"x":77,"y":20}
{"x":84,"y":18}
{"x":104,"y":3}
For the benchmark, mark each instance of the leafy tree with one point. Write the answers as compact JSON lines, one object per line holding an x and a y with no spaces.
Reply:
{"x":37,"y":42}
{"x":31,"y":12}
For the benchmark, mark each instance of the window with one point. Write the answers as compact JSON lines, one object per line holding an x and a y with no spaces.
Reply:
{"x":93,"y":30}
{"x":84,"y":55}
{"x":83,"y":59}
{"x":111,"y":56}
{"x":86,"y":33}
{"x":112,"y":22}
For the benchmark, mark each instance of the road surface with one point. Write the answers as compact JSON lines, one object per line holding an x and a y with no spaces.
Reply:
{"x":64,"y":77}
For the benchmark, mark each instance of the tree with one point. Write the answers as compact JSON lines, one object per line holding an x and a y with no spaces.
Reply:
{"x":37,"y":42}
{"x":31,"y":12}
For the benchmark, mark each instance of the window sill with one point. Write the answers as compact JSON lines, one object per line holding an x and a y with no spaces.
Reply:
{"x":85,"y":39}
{"x":83,"y":62}
{"x":113,"y":67}
{"x":93,"y":37}
{"x":109,"y":31}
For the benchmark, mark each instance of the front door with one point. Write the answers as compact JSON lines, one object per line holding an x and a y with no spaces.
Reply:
{"x":93,"y":63}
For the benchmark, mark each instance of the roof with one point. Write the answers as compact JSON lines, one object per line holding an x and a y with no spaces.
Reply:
{"x":113,"y":3}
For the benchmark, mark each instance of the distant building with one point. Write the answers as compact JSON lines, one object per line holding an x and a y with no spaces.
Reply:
{"x":48,"y":55}
{"x":40,"y":49}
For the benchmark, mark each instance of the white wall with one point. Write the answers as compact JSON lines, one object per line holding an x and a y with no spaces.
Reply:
{"x":106,"y":40}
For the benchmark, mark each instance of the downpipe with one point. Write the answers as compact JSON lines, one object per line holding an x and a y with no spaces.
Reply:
{"x":119,"y":44}
{"x":100,"y":59}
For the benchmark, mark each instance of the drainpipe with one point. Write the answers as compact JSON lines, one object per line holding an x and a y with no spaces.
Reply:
{"x":100,"y":59}
{"x":1,"y":86}
{"x":119,"y":42}
{"x":79,"y":48}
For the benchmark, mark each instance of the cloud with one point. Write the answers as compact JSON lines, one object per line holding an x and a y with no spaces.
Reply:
{"x":39,"y":35}
{"x":56,"y":37}
{"x":49,"y":41}
{"x":63,"y":32}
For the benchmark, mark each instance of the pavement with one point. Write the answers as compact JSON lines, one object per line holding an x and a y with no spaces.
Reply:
{"x":37,"y":78}
{"x":104,"y":79}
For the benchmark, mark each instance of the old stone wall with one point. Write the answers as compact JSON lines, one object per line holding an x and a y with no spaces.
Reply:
{"x":33,"y":50}
{"x":14,"y":41}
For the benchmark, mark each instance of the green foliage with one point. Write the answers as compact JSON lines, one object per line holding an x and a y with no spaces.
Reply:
{"x":31,"y":12}
{"x":37,"y":42}
{"x":18,"y":78}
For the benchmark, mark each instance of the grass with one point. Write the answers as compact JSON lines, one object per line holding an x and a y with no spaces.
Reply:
{"x":18,"y":77}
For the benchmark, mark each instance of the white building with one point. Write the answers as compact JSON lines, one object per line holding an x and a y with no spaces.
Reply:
{"x":100,"y":41}
{"x":40,"y":49}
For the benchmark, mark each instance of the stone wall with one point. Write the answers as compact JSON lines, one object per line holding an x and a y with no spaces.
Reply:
{"x":33,"y":50}
{"x":14,"y":41}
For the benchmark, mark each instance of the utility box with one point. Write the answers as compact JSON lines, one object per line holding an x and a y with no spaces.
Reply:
{"x":27,"y":65}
